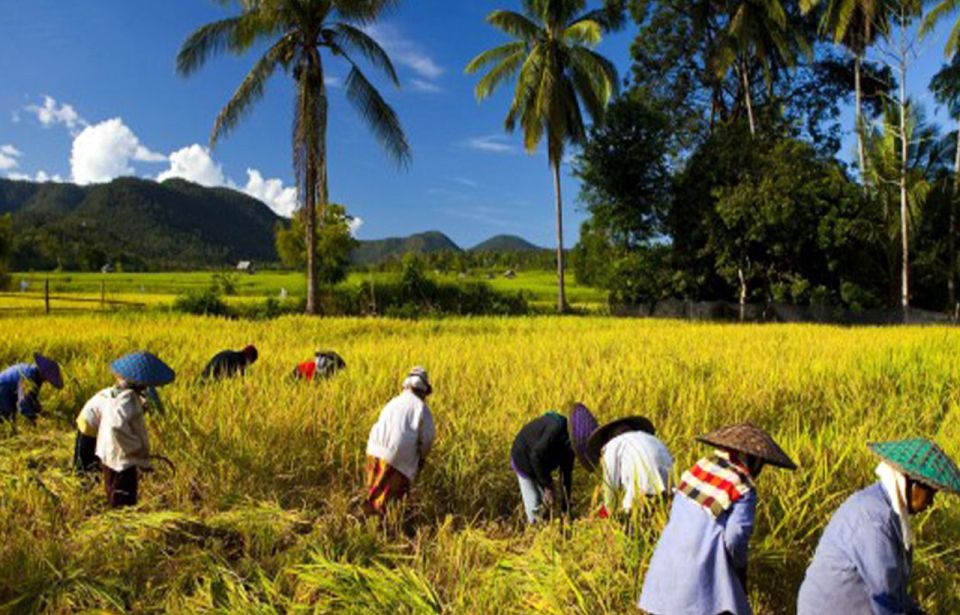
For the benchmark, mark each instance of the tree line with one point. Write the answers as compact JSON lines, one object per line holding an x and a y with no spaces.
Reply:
{"x":717,"y":174}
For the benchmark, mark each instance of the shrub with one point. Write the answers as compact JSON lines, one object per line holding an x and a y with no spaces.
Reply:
{"x":206,"y":302}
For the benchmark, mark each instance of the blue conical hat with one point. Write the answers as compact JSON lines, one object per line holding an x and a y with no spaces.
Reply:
{"x":144,"y":369}
{"x":921,"y":460}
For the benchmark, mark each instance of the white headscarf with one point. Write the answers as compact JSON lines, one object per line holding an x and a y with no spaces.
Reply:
{"x":895,"y":484}
{"x":417,"y":380}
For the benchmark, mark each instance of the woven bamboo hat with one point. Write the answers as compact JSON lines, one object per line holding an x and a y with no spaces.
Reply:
{"x":603,"y":434}
{"x":750,"y":439}
{"x":921,"y":460}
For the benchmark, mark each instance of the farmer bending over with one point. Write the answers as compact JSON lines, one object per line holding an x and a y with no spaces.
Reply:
{"x":544,"y":445}
{"x":399,"y":443}
{"x":634,"y":462}
{"x":700,"y":563}
{"x":230,"y":363}
{"x":325,"y":364}
{"x":122,"y":442}
{"x":863,"y":561}
{"x":20,"y":387}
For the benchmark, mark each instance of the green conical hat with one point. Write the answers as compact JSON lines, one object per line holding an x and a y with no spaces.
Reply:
{"x":921,"y":460}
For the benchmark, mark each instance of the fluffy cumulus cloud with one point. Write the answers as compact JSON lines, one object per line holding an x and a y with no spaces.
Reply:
{"x":39,"y":177}
{"x":194,"y":163}
{"x":102,"y":152}
{"x":282,"y":200}
{"x":52,"y":113}
{"x":355,"y":222}
{"x":9,"y":157}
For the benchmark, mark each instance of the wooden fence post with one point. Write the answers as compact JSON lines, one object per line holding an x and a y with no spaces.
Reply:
{"x":46,"y":296}
{"x":103,"y":295}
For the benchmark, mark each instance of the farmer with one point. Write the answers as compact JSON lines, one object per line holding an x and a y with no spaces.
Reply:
{"x":88,"y":423}
{"x":122,"y":442}
{"x":634,"y":462}
{"x":20,"y":387}
{"x":399,"y":443}
{"x":700,"y":562}
{"x":325,"y":364}
{"x":863,"y":561}
{"x":544,"y":445}
{"x":230,"y":363}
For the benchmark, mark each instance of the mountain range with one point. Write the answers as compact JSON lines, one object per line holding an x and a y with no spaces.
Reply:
{"x":175,"y":224}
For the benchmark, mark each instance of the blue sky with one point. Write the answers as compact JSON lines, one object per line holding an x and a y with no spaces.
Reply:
{"x":88,"y":92}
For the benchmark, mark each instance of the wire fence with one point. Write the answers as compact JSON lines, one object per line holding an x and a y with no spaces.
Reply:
{"x":63,"y":299}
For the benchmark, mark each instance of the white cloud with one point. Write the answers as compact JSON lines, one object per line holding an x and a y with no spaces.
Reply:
{"x":51,"y":113}
{"x":463,"y":181}
{"x":9,"y":157}
{"x":408,"y":54}
{"x":354,"y":222}
{"x":495,"y":144}
{"x":419,"y":85}
{"x":102,"y":152}
{"x":282,"y":200}
{"x":41,"y":177}
{"x":194,"y":163}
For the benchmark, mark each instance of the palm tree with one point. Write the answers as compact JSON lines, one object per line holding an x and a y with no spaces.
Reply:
{"x":855,"y":24}
{"x":297,"y":32}
{"x":945,"y":86}
{"x":557,"y":71}
{"x":757,"y":31}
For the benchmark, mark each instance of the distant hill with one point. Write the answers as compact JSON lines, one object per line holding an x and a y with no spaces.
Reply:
{"x":139,"y":223}
{"x":377,"y":251}
{"x":505,"y":243}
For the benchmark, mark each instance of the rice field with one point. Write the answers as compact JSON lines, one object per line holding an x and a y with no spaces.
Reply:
{"x":255,"y":518}
{"x":540,"y":287}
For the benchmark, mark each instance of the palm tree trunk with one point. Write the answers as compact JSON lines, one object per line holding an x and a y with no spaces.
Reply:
{"x":561,"y":297}
{"x":861,"y":146}
{"x":743,"y":294}
{"x":904,"y":210}
{"x":748,"y":97}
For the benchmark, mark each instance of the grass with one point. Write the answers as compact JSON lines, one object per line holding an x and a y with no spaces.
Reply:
{"x":255,"y":519}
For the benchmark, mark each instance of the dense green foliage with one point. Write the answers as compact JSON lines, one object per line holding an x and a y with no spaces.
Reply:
{"x":135,"y":224}
{"x":334,"y":244}
{"x":724,"y":184}
{"x":381,"y":250}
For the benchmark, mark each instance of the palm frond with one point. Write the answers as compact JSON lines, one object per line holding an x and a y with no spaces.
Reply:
{"x":362,"y":12}
{"x":584,"y":32}
{"x":228,"y":34}
{"x":936,"y":14}
{"x":494,"y":55}
{"x":507,"y":68}
{"x":251,"y":89}
{"x":378,"y":115}
{"x":515,"y":24}
{"x":611,"y":18}
{"x":349,"y":38}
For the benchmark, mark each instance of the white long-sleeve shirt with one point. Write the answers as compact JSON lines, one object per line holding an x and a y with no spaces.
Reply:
{"x":122,"y":440}
{"x":404,"y":433}
{"x":635,"y":461}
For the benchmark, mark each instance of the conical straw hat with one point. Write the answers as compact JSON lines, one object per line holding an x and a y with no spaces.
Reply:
{"x":921,"y":460}
{"x":750,"y":439}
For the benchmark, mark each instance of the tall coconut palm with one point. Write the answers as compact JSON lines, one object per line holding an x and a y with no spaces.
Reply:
{"x":945,"y":86}
{"x":557,"y":71}
{"x":298,"y":34}
{"x":757,"y":32}
{"x":855,"y":24}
